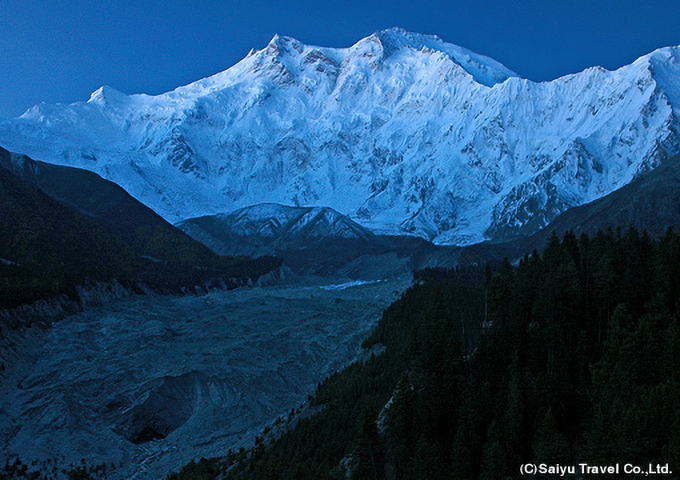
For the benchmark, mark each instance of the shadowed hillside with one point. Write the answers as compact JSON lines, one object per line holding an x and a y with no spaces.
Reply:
{"x":63,"y":227}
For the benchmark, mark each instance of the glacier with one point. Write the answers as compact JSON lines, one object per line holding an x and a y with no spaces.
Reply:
{"x":402,"y":132}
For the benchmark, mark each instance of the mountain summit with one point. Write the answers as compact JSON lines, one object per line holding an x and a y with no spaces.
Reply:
{"x":402,"y":132}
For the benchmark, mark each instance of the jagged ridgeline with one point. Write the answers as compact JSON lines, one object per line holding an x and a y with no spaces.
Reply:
{"x":570,"y":357}
{"x":402,"y":132}
{"x":63,"y":227}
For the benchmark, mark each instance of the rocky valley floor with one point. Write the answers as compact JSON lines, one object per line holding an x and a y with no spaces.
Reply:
{"x":151,"y":382}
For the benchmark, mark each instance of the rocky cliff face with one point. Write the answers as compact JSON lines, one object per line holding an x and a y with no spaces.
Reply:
{"x":402,"y":132}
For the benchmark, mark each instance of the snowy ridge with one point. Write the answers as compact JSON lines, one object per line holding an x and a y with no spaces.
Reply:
{"x":278,"y":225}
{"x":402,"y":132}
{"x":272,"y":220}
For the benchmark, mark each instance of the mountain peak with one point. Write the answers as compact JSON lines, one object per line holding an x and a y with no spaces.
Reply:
{"x":106,"y":95}
{"x":392,"y":40}
{"x":387,"y":43}
{"x":396,"y":38}
{"x":280,"y":44}
{"x":280,"y":225}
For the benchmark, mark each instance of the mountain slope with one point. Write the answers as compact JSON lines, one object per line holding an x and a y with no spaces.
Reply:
{"x":40,"y":240}
{"x":111,"y":207}
{"x":650,"y":203}
{"x":62,"y":228}
{"x":402,"y":132}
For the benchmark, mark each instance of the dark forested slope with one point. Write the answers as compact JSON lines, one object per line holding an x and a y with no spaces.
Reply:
{"x":63,"y":227}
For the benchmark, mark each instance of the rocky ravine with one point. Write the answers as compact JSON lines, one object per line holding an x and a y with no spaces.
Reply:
{"x":150,"y":383}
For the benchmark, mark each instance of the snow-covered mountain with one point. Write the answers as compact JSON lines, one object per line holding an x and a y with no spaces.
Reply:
{"x":271,"y":222}
{"x":262,"y":229}
{"x":402,"y":132}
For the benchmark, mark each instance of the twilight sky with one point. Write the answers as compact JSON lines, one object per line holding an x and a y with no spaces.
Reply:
{"x":62,"y":50}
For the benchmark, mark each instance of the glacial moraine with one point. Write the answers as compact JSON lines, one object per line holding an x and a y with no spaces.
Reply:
{"x":149,"y":383}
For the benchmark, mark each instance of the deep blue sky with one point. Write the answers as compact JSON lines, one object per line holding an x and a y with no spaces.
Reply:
{"x":61,"y":51}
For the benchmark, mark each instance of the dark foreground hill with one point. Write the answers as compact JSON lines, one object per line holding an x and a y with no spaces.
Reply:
{"x":62,"y":228}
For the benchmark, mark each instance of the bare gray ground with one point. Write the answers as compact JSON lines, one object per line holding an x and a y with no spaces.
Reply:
{"x":205,"y":372}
